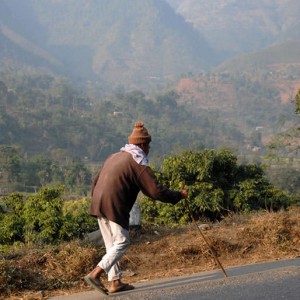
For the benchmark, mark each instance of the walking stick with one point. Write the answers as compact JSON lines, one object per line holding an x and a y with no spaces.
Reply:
{"x":203,"y":236}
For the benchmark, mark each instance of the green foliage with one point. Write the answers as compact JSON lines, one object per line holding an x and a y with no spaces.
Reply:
{"x":285,"y":178}
{"x":12,"y":221}
{"x":77,"y":175}
{"x":9,"y":163}
{"x":44,"y":218}
{"x":43,"y":215}
{"x":216,"y":185}
{"x":60,"y":119}
{"x":76,"y":221}
{"x":70,"y":129}
{"x":21,"y":174}
{"x":249,"y":194}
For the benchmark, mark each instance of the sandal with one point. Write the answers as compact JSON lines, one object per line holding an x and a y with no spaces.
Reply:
{"x":96,"y":284}
{"x":122,"y":288}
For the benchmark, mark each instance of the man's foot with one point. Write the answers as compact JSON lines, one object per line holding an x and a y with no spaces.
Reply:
{"x":121,"y":288}
{"x":96,"y":284}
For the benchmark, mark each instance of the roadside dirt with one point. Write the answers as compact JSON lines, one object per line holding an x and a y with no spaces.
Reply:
{"x":156,"y":252}
{"x":237,"y":240}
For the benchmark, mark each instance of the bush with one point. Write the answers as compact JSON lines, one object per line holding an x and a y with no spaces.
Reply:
{"x":216,"y":186}
{"x":43,"y":215}
{"x":44,"y":218}
{"x":12,"y":220}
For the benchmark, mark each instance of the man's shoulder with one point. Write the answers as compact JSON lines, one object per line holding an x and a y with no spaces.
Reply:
{"x":119,"y":157}
{"x":119,"y":154}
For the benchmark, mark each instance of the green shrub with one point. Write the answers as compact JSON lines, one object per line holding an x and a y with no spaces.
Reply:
{"x":44,"y":217}
{"x":12,"y":220}
{"x":216,"y":186}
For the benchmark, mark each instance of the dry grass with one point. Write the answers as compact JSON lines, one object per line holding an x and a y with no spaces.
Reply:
{"x":36,"y":273}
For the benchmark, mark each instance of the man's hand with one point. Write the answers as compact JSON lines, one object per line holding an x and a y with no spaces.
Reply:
{"x":184,"y":193}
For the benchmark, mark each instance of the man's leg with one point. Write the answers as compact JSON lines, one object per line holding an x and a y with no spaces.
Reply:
{"x":116,"y":240}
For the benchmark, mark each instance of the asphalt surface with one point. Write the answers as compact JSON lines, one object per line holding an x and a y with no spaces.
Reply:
{"x":264,"y":281}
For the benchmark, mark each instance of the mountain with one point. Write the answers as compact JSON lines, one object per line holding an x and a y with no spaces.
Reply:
{"x":138,"y":43}
{"x":242,"y":26}
{"x":113,"y":42}
{"x":254,"y":91}
{"x":122,"y":46}
{"x":280,"y":57}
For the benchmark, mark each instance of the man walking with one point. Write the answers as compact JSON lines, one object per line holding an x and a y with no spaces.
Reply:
{"x":123,"y":175}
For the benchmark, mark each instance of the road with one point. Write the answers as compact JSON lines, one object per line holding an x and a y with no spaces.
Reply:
{"x":264,"y":281}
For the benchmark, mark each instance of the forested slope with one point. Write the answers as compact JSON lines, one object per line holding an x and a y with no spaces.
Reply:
{"x":45,"y":114}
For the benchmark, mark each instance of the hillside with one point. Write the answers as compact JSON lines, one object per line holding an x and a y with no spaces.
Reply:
{"x":138,"y":44}
{"x":242,"y":26}
{"x":111,"y":47}
{"x":115,"y":42}
{"x":252,"y":91}
{"x":42,"y":114}
{"x":278,"y":65}
{"x":280,"y":58}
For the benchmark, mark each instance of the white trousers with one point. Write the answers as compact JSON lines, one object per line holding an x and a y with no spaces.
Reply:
{"x":116,"y":240}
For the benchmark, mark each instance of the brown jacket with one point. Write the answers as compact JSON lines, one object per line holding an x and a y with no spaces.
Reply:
{"x":117,"y":185}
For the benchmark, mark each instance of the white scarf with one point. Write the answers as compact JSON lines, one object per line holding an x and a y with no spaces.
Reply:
{"x":137,"y":154}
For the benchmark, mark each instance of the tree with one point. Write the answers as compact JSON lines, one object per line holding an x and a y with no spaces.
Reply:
{"x":216,"y":186}
{"x":77,"y":176}
{"x":10,"y":166}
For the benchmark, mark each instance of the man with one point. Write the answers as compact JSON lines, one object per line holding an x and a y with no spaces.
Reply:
{"x":115,"y":189}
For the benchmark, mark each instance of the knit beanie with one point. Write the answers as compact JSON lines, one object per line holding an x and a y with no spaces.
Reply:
{"x":139,"y":134}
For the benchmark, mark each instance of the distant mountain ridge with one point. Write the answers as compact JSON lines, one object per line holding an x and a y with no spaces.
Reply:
{"x":242,"y":26}
{"x":117,"y":42}
{"x":25,"y":44}
{"x":139,"y":42}
{"x":266,"y":59}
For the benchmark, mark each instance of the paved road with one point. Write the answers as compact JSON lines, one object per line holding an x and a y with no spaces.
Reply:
{"x":266,"y":281}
